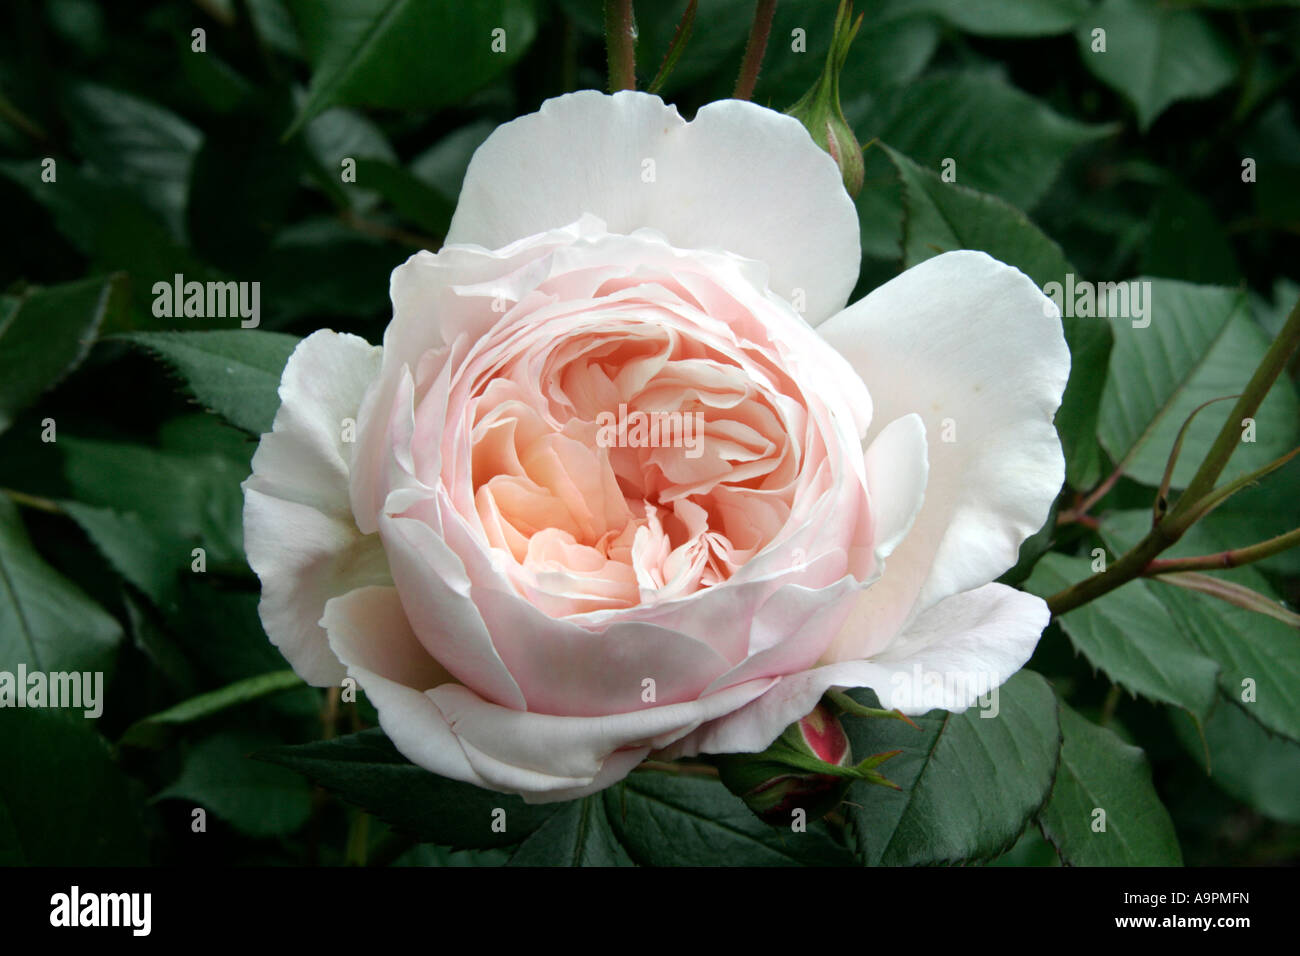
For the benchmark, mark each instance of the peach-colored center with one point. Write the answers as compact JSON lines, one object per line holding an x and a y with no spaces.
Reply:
{"x":629,"y":456}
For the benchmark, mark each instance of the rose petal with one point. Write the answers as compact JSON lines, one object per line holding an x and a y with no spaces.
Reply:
{"x":370,"y":633}
{"x":974,"y":348}
{"x":516,"y":750}
{"x":298,"y":529}
{"x":433,"y":309}
{"x":450,"y":730}
{"x":947,"y":658}
{"x":739,"y":177}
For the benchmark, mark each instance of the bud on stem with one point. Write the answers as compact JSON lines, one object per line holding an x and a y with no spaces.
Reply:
{"x":809,"y":767}
{"x":819,"y":108}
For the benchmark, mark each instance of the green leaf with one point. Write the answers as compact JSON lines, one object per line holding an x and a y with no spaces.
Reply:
{"x":940,"y":217}
{"x":426,"y":854}
{"x":156,"y":558}
{"x":46,"y":622}
{"x":1151,"y":365}
{"x":245,"y":183}
{"x":365,"y":769}
{"x":320,"y":268}
{"x":663,"y":819}
{"x":151,"y":731}
{"x":1200,"y":345}
{"x":112,"y":227}
{"x":1090,"y":344}
{"x":340,"y":134}
{"x":47,"y":335}
{"x":1032,"y":549}
{"x":1187,"y":241}
{"x":409,"y":54}
{"x":221,"y":632}
{"x":997,"y":18}
{"x":1125,"y":635}
{"x":578,"y":834}
{"x":136,"y":143}
{"x":1032,"y":849}
{"x":1246,"y":762}
{"x":411,"y":198}
{"x":880,"y":206}
{"x":63,"y":802}
{"x":256,"y":798}
{"x":1002,"y":140}
{"x":185,"y":499}
{"x":1156,"y":54}
{"x":969,"y":783}
{"x":1257,"y":513}
{"x":218,"y":85}
{"x":132,"y":550}
{"x":1100,"y":771}
{"x":443,"y":164}
{"x":1247,"y":646}
{"x":275,"y":26}
{"x":235,"y":373}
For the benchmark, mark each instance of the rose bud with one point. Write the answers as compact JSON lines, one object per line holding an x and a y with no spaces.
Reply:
{"x":819,"y":108}
{"x":807,"y":768}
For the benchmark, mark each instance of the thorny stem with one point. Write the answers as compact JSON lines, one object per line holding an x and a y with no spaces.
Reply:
{"x":620,"y":44}
{"x":1231,"y":558}
{"x":755,"y":48}
{"x":1080,"y":511}
{"x":1229,"y":438}
{"x":1191,"y":504}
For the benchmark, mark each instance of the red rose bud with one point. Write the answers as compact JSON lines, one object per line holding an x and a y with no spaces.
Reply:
{"x":823,"y":736}
{"x":819,"y":108}
{"x":809,"y":767}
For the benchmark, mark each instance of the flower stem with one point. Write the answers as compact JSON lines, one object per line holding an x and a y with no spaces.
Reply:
{"x":620,"y":44}
{"x":755,"y":49}
{"x":1080,"y":511}
{"x":1232,"y":558}
{"x":1229,"y":437}
{"x":1192,"y":503}
{"x":32,"y":501}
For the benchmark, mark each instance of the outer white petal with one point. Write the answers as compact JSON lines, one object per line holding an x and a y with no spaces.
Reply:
{"x":448,"y":729}
{"x":298,"y":528}
{"x":521,"y":752}
{"x":974,"y":348}
{"x":369,"y":632}
{"x":738,"y":177}
{"x":947,"y":658}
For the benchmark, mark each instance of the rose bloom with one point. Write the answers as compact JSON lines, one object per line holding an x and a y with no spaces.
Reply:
{"x":535,"y":601}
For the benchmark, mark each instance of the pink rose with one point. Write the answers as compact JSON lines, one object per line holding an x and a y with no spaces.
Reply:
{"x":626,"y":477}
